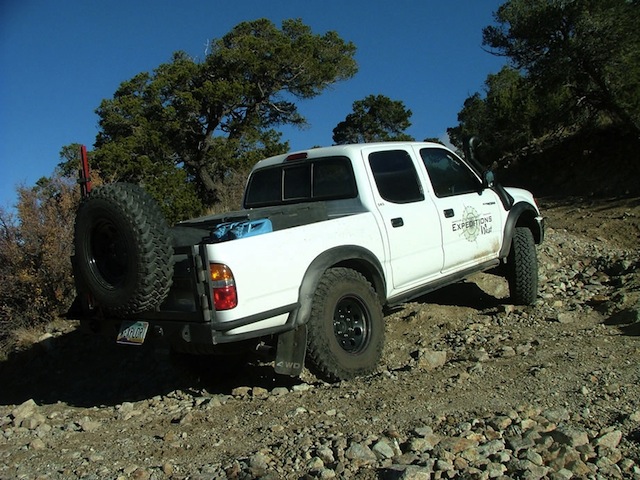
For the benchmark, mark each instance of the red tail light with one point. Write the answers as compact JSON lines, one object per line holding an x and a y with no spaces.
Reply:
{"x":225,"y":295}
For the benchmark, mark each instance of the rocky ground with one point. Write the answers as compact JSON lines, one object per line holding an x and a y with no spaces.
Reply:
{"x":470,"y":387}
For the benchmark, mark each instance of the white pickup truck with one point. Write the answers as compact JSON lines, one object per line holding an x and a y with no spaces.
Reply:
{"x":327,"y":238}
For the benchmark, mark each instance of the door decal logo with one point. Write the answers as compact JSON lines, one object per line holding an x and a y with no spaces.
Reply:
{"x":472,"y":224}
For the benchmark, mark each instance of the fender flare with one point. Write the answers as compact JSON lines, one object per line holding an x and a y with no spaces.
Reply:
{"x":522,"y":214}
{"x":350,"y":256}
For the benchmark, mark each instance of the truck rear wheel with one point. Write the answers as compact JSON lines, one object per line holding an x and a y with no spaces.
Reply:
{"x":522,"y":268}
{"x":123,"y":251}
{"x":346,"y":326}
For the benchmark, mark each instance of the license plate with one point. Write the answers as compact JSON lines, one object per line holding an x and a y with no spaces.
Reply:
{"x":132,"y":333}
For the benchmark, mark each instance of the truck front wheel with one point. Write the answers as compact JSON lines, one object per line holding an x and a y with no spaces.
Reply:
{"x":522,"y":268}
{"x":346,"y":326}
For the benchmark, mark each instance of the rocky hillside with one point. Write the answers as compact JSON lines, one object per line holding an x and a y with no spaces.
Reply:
{"x":470,"y":387}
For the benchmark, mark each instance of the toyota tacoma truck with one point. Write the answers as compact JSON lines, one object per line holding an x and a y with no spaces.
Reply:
{"x":326,"y":239}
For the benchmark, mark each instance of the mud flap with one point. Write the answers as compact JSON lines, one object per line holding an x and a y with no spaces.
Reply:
{"x":292,"y":346}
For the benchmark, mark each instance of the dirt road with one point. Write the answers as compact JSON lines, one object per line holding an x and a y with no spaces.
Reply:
{"x":469,"y":387}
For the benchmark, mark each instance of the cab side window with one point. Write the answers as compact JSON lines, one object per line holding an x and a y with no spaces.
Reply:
{"x":449,"y":175}
{"x":396,"y":176}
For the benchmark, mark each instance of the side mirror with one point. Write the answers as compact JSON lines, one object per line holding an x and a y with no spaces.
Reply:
{"x":488,"y":179}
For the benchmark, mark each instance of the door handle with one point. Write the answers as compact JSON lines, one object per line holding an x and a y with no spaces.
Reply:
{"x":449,"y":213}
{"x":397,"y":222}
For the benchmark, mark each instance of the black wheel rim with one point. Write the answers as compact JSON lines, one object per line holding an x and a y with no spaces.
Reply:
{"x":351,"y":324}
{"x":108,"y":253}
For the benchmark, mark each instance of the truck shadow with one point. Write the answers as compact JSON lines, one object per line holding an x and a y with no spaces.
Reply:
{"x":481,"y":292}
{"x":626,"y":321}
{"x":85,"y":371}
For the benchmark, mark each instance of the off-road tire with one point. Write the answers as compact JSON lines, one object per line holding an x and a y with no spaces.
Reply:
{"x":346,"y":326}
{"x":522,"y":268}
{"x":123,"y":251}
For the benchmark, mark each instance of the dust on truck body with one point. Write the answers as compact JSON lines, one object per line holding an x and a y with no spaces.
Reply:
{"x":326,"y":239}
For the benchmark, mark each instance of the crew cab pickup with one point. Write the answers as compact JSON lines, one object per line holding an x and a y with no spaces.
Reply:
{"x":327,"y":237}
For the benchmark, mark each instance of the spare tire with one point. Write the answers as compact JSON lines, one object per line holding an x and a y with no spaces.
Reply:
{"x":123,"y":253}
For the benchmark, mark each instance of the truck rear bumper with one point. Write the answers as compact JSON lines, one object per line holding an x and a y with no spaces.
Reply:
{"x":185,"y":336}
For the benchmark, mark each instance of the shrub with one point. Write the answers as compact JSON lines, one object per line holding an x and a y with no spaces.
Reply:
{"x":36,"y":243}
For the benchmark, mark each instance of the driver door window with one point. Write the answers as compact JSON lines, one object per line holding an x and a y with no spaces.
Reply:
{"x":448,"y":174}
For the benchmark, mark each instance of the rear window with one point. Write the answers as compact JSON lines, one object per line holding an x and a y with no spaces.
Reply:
{"x":328,"y":178}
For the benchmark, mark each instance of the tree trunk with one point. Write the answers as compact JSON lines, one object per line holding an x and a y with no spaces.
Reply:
{"x":207,"y":182}
{"x":609,"y":100}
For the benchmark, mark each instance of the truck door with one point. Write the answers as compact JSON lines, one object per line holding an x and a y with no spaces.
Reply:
{"x":471,"y":216}
{"x":410,"y":219}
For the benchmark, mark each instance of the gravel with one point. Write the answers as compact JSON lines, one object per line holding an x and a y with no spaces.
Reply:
{"x":469,"y":387}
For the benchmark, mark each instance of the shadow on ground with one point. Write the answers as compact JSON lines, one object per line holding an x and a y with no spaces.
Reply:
{"x":464,"y":294}
{"x":81,"y":369}
{"x":85,"y":370}
{"x":627,"y":321}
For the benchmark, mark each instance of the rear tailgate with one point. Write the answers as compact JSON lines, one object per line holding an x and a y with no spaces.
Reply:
{"x":189,"y":298}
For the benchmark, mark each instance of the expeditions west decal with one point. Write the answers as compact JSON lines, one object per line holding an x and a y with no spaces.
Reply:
{"x":473,"y":224}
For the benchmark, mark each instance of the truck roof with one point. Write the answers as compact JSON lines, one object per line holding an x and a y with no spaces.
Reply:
{"x":337,"y":150}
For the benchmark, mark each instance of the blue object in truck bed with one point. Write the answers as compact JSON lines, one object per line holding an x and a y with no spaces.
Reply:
{"x":247,"y":228}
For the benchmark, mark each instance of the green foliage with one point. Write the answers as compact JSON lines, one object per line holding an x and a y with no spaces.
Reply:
{"x":181,"y":129}
{"x":504,"y":119}
{"x":575,"y":64}
{"x":589,"y":49}
{"x":36,"y":284}
{"x":376,"y":118}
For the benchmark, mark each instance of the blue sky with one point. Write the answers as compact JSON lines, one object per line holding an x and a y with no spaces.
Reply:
{"x":59,"y":59}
